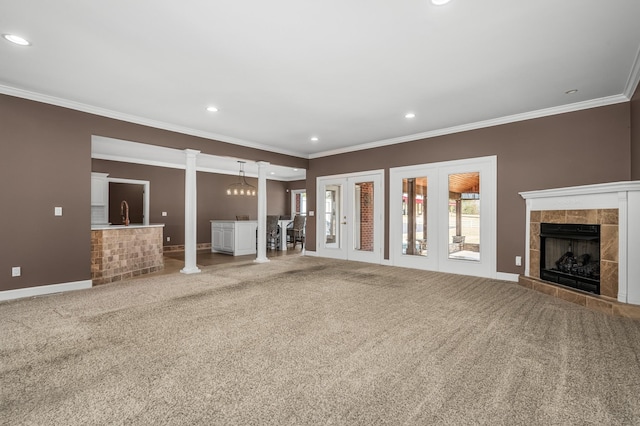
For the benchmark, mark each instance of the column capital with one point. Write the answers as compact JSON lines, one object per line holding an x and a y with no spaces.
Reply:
{"x":191,"y":152}
{"x":263,"y":163}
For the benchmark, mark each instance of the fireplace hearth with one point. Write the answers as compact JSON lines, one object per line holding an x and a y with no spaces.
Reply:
{"x":570,"y":255}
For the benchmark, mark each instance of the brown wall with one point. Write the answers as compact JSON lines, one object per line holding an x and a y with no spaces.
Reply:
{"x":133,"y":194}
{"x":45,"y":161}
{"x":635,"y":135}
{"x":166,"y":194}
{"x":213,"y":203}
{"x":577,"y":148}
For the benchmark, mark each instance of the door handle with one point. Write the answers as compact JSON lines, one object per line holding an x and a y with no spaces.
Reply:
{"x":344,"y":223}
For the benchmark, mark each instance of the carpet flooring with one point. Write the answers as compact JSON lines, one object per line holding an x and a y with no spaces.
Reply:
{"x":305,"y":340}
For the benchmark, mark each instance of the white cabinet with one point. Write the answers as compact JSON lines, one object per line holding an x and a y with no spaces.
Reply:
{"x":234,"y":237}
{"x":99,"y":198}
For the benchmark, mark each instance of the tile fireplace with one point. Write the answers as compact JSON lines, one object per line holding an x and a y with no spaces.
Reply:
{"x":586,"y":237}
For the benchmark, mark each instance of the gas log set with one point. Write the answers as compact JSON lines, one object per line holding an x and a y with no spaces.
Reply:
{"x":578,"y":265}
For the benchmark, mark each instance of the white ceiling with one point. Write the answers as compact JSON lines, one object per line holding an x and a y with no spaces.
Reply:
{"x":346,"y":71}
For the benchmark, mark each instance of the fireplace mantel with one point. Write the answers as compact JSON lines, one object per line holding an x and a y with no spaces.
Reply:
{"x":622,"y":196}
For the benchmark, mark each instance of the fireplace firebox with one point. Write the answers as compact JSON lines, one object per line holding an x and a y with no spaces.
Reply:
{"x":570,"y":255}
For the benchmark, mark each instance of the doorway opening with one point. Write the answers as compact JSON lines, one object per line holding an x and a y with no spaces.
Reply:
{"x":135,"y":193}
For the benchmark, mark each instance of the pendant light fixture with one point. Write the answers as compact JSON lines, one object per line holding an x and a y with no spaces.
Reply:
{"x":241,"y":187}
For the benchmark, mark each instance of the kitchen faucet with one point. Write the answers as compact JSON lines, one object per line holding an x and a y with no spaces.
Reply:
{"x":124,"y":212}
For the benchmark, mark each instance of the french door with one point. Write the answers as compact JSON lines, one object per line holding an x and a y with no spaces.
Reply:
{"x":350,"y":213}
{"x":442,"y":216}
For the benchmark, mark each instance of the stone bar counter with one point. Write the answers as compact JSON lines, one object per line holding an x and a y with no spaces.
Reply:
{"x":120,"y":252}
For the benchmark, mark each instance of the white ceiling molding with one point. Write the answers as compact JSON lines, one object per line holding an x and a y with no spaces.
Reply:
{"x":594,"y":103}
{"x":634,"y":77}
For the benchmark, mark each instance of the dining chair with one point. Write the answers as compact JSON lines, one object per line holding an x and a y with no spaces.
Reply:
{"x":295,"y":234}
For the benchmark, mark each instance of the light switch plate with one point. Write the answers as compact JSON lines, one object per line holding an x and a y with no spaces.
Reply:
{"x":164,"y":213}
{"x":312,"y":213}
{"x":16,"y":271}
{"x":518,"y":260}
{"x":57,"y":211}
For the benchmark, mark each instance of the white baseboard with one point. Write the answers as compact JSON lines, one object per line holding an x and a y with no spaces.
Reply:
{"x":44,"y":289}
{"x":507,"y":277}
{"x":310,"y":253}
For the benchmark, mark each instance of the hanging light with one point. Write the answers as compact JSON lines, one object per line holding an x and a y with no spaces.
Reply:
{"x":241,"y":187}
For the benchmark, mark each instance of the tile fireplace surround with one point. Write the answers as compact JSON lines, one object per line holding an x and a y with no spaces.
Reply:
{"x":613,"y":206}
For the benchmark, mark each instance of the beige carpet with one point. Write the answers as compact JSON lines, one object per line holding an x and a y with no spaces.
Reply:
{"x":304,"y":340}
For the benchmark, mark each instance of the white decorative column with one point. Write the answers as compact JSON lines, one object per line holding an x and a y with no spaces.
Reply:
{"x":190,"y":213}
{"x":262,"y":212}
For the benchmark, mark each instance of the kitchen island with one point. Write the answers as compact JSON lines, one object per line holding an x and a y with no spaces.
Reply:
{"x":234,"y":237}
{"x":120,"y":252}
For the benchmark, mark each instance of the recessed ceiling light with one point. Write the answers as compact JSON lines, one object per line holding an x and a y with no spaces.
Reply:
{"x":571,"y":92}
{"x":409,"y":115}
{"x":314,"y":139}
{"x":212,"y":109}
{"x":295,"y":170}
{"x":16,"y":39}
{"x":439,"y":2}
{"x":272,"y":173}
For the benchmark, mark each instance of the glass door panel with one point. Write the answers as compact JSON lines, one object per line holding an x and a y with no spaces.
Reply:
{"x":414,"y":216}
{"x":464,"y":216}
{"x":332,"y":215}
{"x":363,"y":219}
{"x":414,"y":236}
{"x":363,"y":222}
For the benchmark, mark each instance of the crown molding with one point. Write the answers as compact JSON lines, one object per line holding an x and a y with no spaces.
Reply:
{"x":78,"y":106}
{"x":634,"y":77}
{"x":594,"y":103}
{"x":630,"y":87}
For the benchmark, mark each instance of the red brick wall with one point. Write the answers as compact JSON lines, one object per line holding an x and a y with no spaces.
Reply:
{"x":366,"y":216}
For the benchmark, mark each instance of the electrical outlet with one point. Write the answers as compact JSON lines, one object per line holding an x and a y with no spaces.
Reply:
{"x":518,"y":260}
{"x":312,"y":213}
{"x":57,"y":211}
{"x":164,"y":213}
{"x":16,"y":271}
